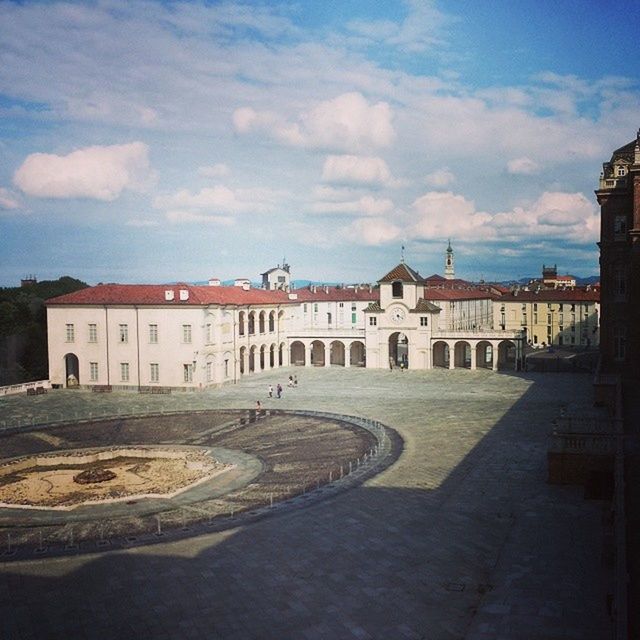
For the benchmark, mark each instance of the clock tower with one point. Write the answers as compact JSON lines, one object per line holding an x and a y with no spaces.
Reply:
{"x":449,"y":272}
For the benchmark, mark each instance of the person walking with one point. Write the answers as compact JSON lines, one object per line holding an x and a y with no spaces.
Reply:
{"x":279,"y":390}
{"x":270,"y":391}
{"x":295,"y":381}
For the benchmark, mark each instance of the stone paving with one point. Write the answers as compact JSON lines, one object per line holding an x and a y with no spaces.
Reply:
{"x":460,"y":538}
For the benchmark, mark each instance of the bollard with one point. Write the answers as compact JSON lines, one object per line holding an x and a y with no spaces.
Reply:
{"x":341,"y":471}
{"x":9,"y":551}
{"x":232,"y":512}
{"x":184,"y":520}
{"x":330,"y":476}
{"x":271,"y":500}
{"x":350,"y":467}
{"x":159,"y":527}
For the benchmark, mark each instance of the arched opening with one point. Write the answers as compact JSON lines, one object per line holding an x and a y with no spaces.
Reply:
{"x":263,"y":350}
{"x":441,"y":354}
{"x":281,"y":321}
{"x":462,"y":355}
{"x":272,"y":356}
{"x":484,"y":355}
{"x":241,"y":323}
{"x":399,"y":349}
{"x":507,"y":355}
{"x":298,"y":353}
{"x":336,"y":353}
{"x":317,"y":353}
{"x":281,"y":349}
{"x":72,"y":370}
{"x":357,"y":354}
{"x":252,"y":359}
{"x":272,"y":322}
{"x":261,"y":318}
{"x":252,"y":322}
{"x":243,"y":356}
{"x":396,"y":289}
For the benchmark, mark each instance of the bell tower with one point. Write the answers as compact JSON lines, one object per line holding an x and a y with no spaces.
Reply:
{"x":449,"y":272}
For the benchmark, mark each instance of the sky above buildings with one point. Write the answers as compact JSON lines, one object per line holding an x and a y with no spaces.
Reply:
{"x":168,"y":141}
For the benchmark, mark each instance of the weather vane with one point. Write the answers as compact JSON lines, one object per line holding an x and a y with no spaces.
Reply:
{"x":402,"y":254}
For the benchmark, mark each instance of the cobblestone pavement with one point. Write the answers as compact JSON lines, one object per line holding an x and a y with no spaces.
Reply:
{"x":460,"y":538}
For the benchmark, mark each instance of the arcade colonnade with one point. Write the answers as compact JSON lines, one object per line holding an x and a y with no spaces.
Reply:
{"x":325,"y":352}
{"x":476,"y":354}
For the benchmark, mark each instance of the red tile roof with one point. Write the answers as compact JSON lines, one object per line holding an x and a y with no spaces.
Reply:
{"x":554,"y":295}
{"x":154,"y":294}
{"x":337,"y":294}
{"x":402,"y":272}
{"x":432,"y":293}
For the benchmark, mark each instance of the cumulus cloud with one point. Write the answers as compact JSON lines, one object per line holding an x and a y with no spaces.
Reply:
{"x":440,"y":178}
{"x":97,"y":173}
{"x":347,"y":122}
{"x":357,"y":170}
{"x":8,"y":200}
{"x":554,"y":215}
{"x":369,"y":231}
{"x":523,"y":166}
{"x":180,"y":216}
{"x":218,"y":170}
{"x":363,"y":206}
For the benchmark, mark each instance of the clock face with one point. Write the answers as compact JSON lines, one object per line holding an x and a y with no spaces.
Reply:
{"x":397,"y":315}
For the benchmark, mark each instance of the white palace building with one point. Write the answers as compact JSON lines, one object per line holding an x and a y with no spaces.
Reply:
{"x":184,"y":336}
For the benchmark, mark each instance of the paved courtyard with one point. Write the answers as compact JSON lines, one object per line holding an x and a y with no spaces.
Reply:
{"x":460,"y":538}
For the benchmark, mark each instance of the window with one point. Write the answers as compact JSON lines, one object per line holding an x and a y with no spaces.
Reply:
{"x":93,"y":371}
{"x":353,"y":313}
{"x":153,"y":333}
{"x":186,"y":333}
{"x":209,"y":371}
{"x":373,"y":321}
{"x":226,"y":367}
{"x":304,"y":307}
{"x":396,"y":289}
{"x":424,"y":321}
{"x":328,"y":318}
{"x":561,"y":318}
{"x":620,"y":281}
{"x":620,"y":172}
{"x":548,"y":318}
{"x":315,"y":307}
{"x":535,"y":317}
{"x":154,"y":372}
{"x":341,"y":305}
{"x":535,"y":306}
{"x":208,"y":333}
{"x":124,"y":332}
{"x":71,"y":333}
{"x":620,"y":226}
{"x":187,"y":372}
{"x":124,"y":372}
{"x":560,"y":307}
{"x":535,"y":339}
{"x":93,"y":333}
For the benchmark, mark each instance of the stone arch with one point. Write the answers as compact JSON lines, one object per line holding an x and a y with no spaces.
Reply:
{"x":399,"y":349}
{"x":281,"y":349}
{"x":272,"y":356}
{"x":243,"y":357}
{"x":298,"y":353}
{"x":484,"y":355}
{"x":507,"y":355}
{"x":357,"y":354}
{"x":252,"y":358}
{"x":71,"y":368}
{"x":261,"y":321}
{"x":462,"y":355}
{"x":272,"y":322}
{"x":241,"y":323}
{"x":441,"y":354}
{"x":263,"y":351}
{"x":318,"y":353}
{"x":281,"y":321}
{"x":252,"y":322}
{"x":337,"y":353}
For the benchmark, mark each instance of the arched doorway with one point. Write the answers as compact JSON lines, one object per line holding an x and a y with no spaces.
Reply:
{"x":507,"y":355}
{"x":261,"y":318}
{"x":298,"y":353}
{"x":336,"y":353}
{"x":272,"y":356}
{"x":399,"y":349}
{"x":484,"y":355}
{"x":252,"y":359}
{"x":72,"y":370}
{"x":241,"y":323}
{"x":317,"y":353}
{"x":272,"y":322}
{"x":243,"y":356}
{"x":357,"y":354}
{"x":281,"y":349}
{"x":441,"y":354}
{"x":252,"y":322}
{"x":263,"y":350}
{"x":462,"y":355}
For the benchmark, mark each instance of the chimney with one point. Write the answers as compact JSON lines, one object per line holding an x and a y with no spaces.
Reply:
{"x":246,"y":286}
{"x":240,"y":282}
{"x":184,"y":294}
{"x":293,"y":296}
{"x":214,"y":282}
{"x":168,"y":294}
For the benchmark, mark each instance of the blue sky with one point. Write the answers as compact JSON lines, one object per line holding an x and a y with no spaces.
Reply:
{"x":155,"y":142}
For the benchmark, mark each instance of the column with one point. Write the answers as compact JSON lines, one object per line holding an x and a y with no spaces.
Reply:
{"x":473,"y":357}
{"x":327,"y":354}
{"x":495,"y":353}
{"x":452,"y":356}
{"x":347,"y":355}
{"x":307,"y":355}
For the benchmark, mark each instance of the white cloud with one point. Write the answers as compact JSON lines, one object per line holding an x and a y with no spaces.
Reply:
{"x":8,"y":199}
{"x":357,"y":170}
{"x":218,"y":170}
{"x":522,"y":166}
{"x":98,"y":173}
{"x":440,"y":178}
{"x":364,"y":206}
{"x":347,"y":122}
{"x":370,"y":231}
{"x":178,"y":216}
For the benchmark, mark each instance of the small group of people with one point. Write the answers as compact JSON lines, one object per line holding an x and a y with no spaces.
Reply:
{"x":293,"y":382}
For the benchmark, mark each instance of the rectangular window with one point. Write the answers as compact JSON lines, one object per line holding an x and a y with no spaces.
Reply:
{"x":535,"y":317}
{"x":93,"y":371}
{"x":124,"y":372}
{"x":153,"y":334}
{"x":560,"y":307}
{"x":620,"y":227}
{"x":373,"y":321}
{"x":353,"y":318}
{"x":341,"y":305}
{"x":304,"y":307}
{"x":548,"y":318}
{"x":187,"y":372}
{"x":154,"y":372}
{"x":93,"y":333}
{"x":226,"y":368}
{"x":186,"y":333}
{"x":209,"y":371}
{"x":424,"y":321}
{"x":71,"y":333}
{"x":329,"y":318}
{"x":124,"y":332}
{"x":535,"y":339}
{"x":561,"y":318}
{"x":208,"y":333}
{"x":315,"y":307}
